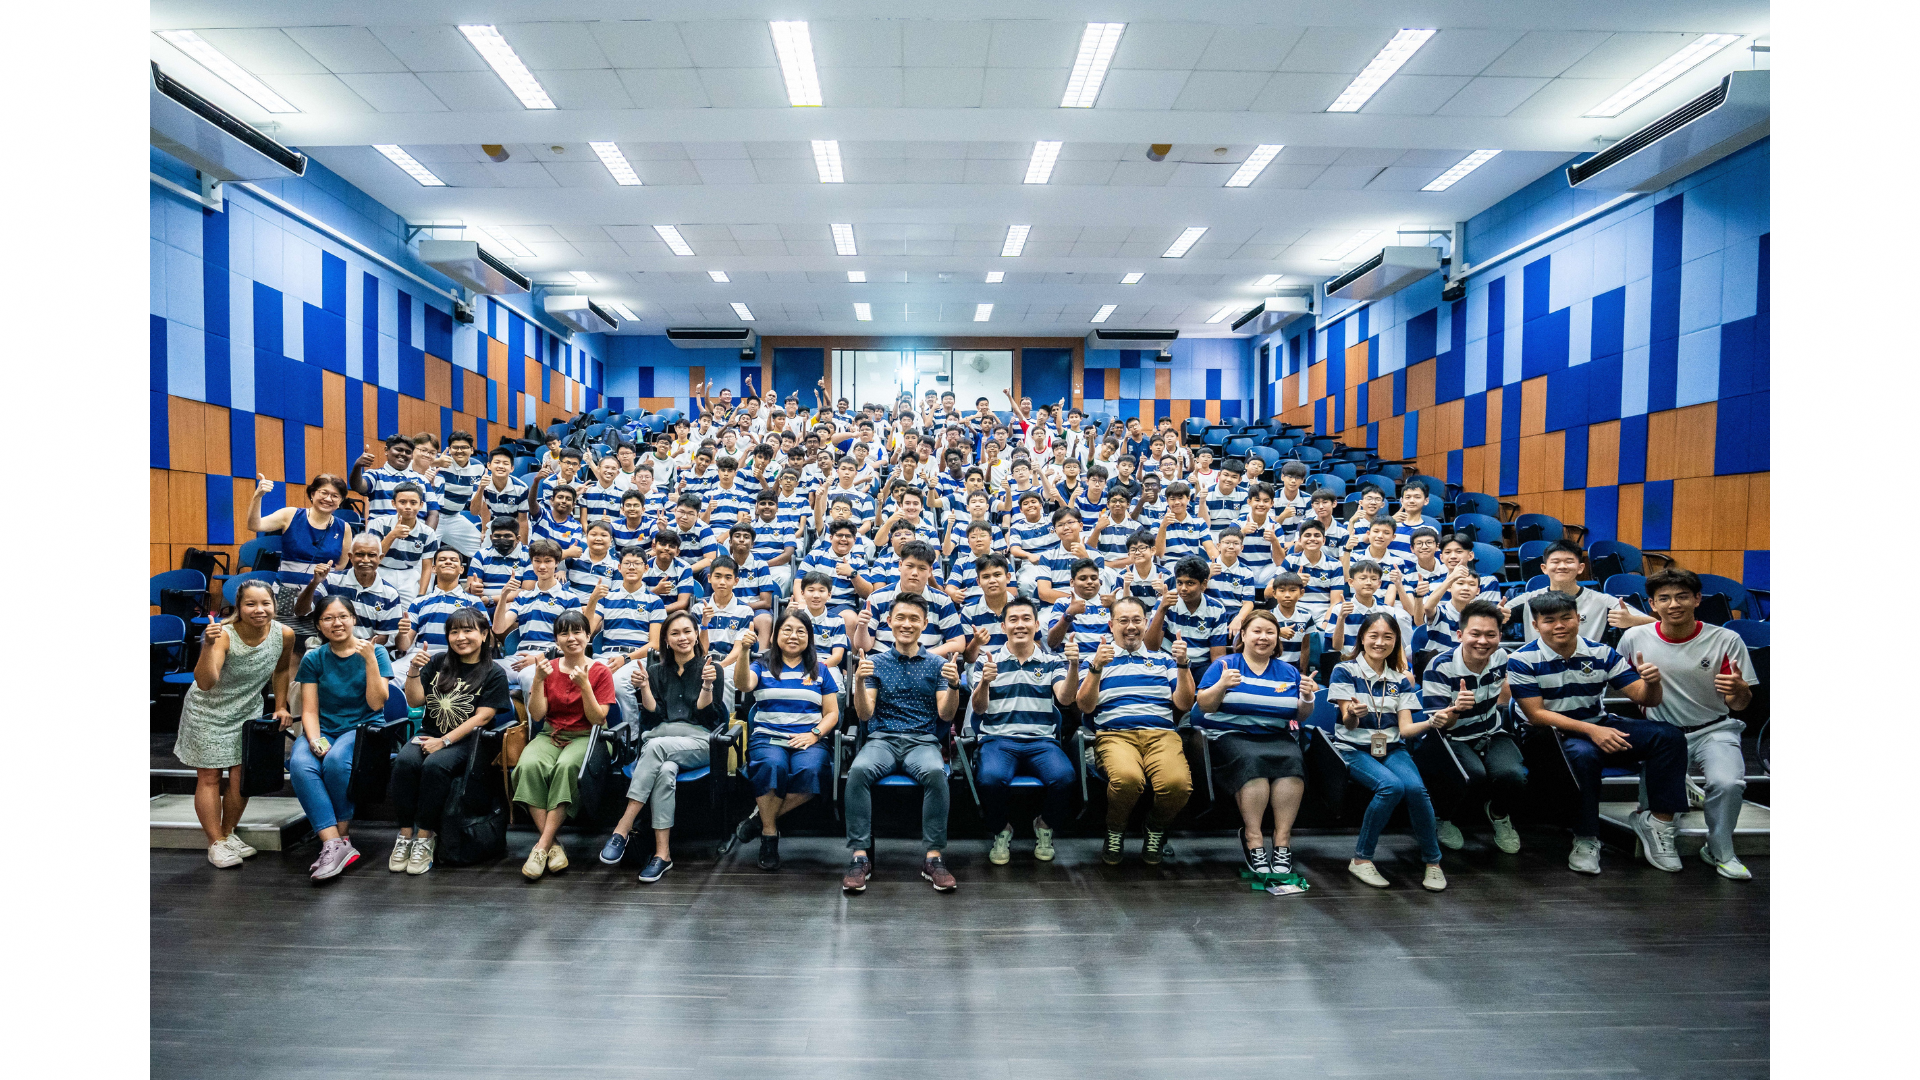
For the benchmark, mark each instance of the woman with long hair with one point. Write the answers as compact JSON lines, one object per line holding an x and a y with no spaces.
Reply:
{"x":1377,"y":700}
{"x":1251,"y":705}
{"x":239,"y":656}
{"x":311,"y":539}
{"x":458,"y":692}
{"x":348,"y":676}
{"x":570,"y":693}
{"x":796,"y":707}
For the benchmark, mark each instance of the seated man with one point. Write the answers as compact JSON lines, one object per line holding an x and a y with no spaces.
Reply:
{"x":1130,"y":696}
{"x":1563,"y":564}
{"x":903,"y":732}
{"x":377,"y":606}
{"x":1473,"y":755}
{"x":405,"y":542}
{"x":1018,"y":692}
{"x":1559,"y":680}
{"x":533,"y":609}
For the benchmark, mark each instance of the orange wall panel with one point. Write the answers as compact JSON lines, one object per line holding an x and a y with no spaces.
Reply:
{"x":1390,"y":435}
{"x":242,"y":497}
{"x":370,"y":422}
{"x":497,"y":361}
{"x":1479,"y":468}
{"x":1759,"y":522}
{"x":1316,"y":383}
{"x":1663,"y":445}
{"x":1693,"y":505}
{"x":1727,"y":519}
{"x":316,"y":456}
{"x":186,"y":435}
{"x":269,"y":453}
{"x":476,"y":392}
{"x":189,"y":492}
{"x":1162,"y":383}
{"x":333,"y":400}
{"x":439,"y":381}
{"x":1180,"y":410}
{"x":218,"y":439}
{"x":333,"y":453}
{"x":1213,"y":410}
{"x":1603,"y":454}
{"x":159,"y":561}
{"x":1494,"y":413}
{"x":1356,"y":365}
{"x":1449,"y":423}
{"x":1420,"y":385}
{"x":1632,"y":504}
{"x":1533,"y":406}
{"x":1732,"y":564}
{"x":1111,"y":391}
{"x":1694,"y":435}
{"x":1380,"y":398}
{"x":160,"y":509}
{"x":696,"y":381}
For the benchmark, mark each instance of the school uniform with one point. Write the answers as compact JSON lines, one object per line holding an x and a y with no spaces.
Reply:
{"x":1376,"y":757}
{"x":1019,"y":733}
{"x":1477,"y":757}
{"x":1251,"y":735}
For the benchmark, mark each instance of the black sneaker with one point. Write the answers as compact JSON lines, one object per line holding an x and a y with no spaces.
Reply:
{"x":770,"y":852}
{"x":655,"y":869}
{"x":1281,"y":861}
{"x":1115,"y":850}
{"x":858,"y":871}
{"x":934,"y":869}
{"x":1257,"y":859}
{"x":1155,"y":845}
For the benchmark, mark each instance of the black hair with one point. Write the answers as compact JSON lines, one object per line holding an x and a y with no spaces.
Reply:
{"x":1020,"y":601}
{"x":670,"y":537}
{"x":1231,"y":530}
{"x":1259,"y":488}
{"x":917,"y":549}
{"x":1416,"y":482}
{"x":1323,"y":493}
{"x":500,"y":451}
{"x":689,"y":500}
{"x":1394,"y":659}
{"x":1673,"y":577}
{"x":1295,"y":468}
{"x":455,"y":674}
{"x":1373,"y":488}
{"x":740,"y":527}
{"x":570,"y":454}
{"x":544,"y":547}
{"x":1192,"y":566}
{"x":1366,"y":566}
{"x":1077,"y":565}
{"x":1113,"y":609}
{"x":1314,"y":525}
{"x":409,"y":486}
{"x":1289,"y":580}
{"x":722,"y":562}
{"x":400,"y":440}
{"x":1570,"y":548}
{"x":631,"y":495}
{"x":1141,"y":536}
{"x":504,"y":523}
{"x":1481,"y":609}
{"x":992,"y":558}
{"x":1065,"y":513}
{"x":815,"y":577}
{"x":838,"y":525}
{"x":908,"y":600}
{"x":1549,"y":602}
{"x":574,"y":619}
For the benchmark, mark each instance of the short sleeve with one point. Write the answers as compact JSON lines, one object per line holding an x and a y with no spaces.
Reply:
{"x":602,"y":682}
{"x":1620,"y":673}
{"x":379,"y":655}
{"x":759,"y":671}
{"x":1341,"y":688}
{"x":310,"y":666}
{"x":828,"y":684}
{"x":1215,"y":671}
{"x":1435,"y":690}
{"x":1520,"y":678}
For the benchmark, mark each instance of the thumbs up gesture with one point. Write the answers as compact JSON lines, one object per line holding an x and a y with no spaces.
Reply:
{"x":1231,"y":678}
{"x":262,"y":485}
{"x":988,"y":671}
{"x":1104,"y":654}
{"x":1464,"y":700}
{"x":1647,"y":671}
{"x":474,"y":586}
{"x":1180,"y":650}
{"x":1073,"y":651}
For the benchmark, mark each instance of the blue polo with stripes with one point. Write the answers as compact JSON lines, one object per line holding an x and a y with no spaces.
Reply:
{"x":1136,"y":691}
{"x":1020,"y":703}
{"x":1573,"y":686}
{"x":1265,"y":703}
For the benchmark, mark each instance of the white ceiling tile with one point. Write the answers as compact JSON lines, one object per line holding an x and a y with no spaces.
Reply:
{"x":581,"y":234}
{"x":1626,"y":55}
{"x":755,"y":249}
{"x":1030,"y":44}
{"x":1281,"y":235}
{"x":641,"y":44}
{"x":1344,"y":178}
{"x":1141,"y":89}
{"x":519,"y":174}
{"x":1100,"y":151}
{"x":1026,"y":88}
{"x":717,"y":248}
{"x":1248,"y":48}
{"x":1336,"y":49}
{"x":855,"y":43}
{"x":1008,"y":151}
{"x":602,"y":250}
{"x":947,"y":44}
{"x":319,"y":93}
{"x":726,"y":171}
{"x":1140,"y":174}
{"x":932,"y":150}
{"x":1459,"y":52}
{"x":1431,"y":159}
{"x":792,"y":149}
{"x":630,"y":234}
{"x":729,"y":44}
{"x":785,"y":171}
{"x":1368,"y":155}
{"x":944,"y":88}
{"x":474,"y":91}
{"x":702,"y":233}
{"x":1142,"y":250}
{"x":754,"y":232}
{"x":1252,"y":250}
{"x":975,"y":249}
{"x":264,"y":51}
{"x":666,"y":173}
{"x":1295,"y":91}
{"x":345,"y":48}
{"x":1487,"y":96}
{"x":1053,"y":234}
{"x":994,"y":172}
{"x":929,"y":249}
{"x":577,"y":174}
{"x":1085,"y":250}
{"x":790,"y":231}
{"x":863,"y":87}
{"x":1192,"y":174}
{"x":702,"y":151}
{"x":556,"y":46}
{"x":1545,"y":53}
{"x":1221,"y":91}
{"x":1403,"y":178}
{"x":876,"y":170}
{"x":937,"y":170}
{"x":1414,"y":95}
{"x":980,"y":230}
{"x":1567,"y":98}
{"x":436,"y":47}
{"x":929,"y":231}
{"x":596,"y":88}
{"x":1311,"y":155}
{"x":744,"y":88}
{"x":1166,"y":45}
{"x":394,"y":92}
{"x":1083,"y":173}
{"x":665,"y":88}
{"x":464,"y":174}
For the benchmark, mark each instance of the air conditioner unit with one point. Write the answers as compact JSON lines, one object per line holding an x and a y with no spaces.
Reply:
{"x":1157,"y":340}
{"x":582,"y":314}
{"x":466,"y":262}
{"x":1693,"y":136}
{"x":211,"y":139}
{"x":711,"y":337}
{"x":1387,"y":273}
{"x":1277,"y":312}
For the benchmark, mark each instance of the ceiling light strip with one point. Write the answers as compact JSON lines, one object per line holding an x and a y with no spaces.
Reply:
{"x":863,"y":312}
{"x":826,"y":161}
{"x":742,"y":311}
{"x":616,"y":163}
{"x":1255,"y":164}
{"x":1378,"y":70}
{"x":506,"y":63}
{"x":1185,"y":241}
{"x":1097,"y":45}
{"x":408,"y":165}
{"x":204,"y":54}
{"x":1662,"y":73}
{"x":1040,"y":167}
{"x":794,"y":45}
{"x":1016,"y":240}
{"x":843,"y":240}
{"x":1460,"y":169}
{"x":1106,"y":310}
{"x":675,"y":243}
{"x":982,"y":312}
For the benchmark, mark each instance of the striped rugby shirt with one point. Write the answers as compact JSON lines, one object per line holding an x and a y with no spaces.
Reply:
{"x":724,"y":624}
{"x":789,"y":703}
{"x":1202,"y":628}
{"x":1265,"y":703}
{"x":1224,"y":508}
{"x":1255,"y":552}
{"x":1185,"y":537}
{"x":1573,"y":686}
{"x":1303,"y":623}
{"x":380,"y":485}
{"x":976,"y":614}
{"x":726,"y":504}
{"x":602,"y":502}
{"x":1020,"y":703}
{"x":568,"y":533}
{"x":496,"y":570}
{"x":1232,"y":584}
{"x":1442,"y":683}
{"x":829,"y":633}
{"x":408,"y":550}
{"x":1136,"y":691}
{"x":1321,"y":579}
{"x":429,"y":614}
{"x":453,"y":486}
{"x":627,"y":618}
{"x":535,"y":610}
{"x":822,"y":558}
{"x":513,"y":501}
{"x":1088,"y":627}
{"x":1385,"y":692}
{"x":376,"y":607}
{"x":583,"y":573}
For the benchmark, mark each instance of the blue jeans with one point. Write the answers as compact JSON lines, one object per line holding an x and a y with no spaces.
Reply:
{"x":1661,"y":749}
{"x":1002,"y":757}
{"x":320,"y":783}
{"x":1392,"y":779}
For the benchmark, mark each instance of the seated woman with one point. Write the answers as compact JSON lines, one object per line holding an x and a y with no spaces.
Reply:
{"x":571,"y":694}
{"x":349,"y":676}
{"x":238,"y":656}
{"x":1251,"y":705}
{"x":796,"y":705}
{"x":312,"y":540}
{"x":676,"y":689}
{"x":458,"y":691}
{"x":1377,"y":700}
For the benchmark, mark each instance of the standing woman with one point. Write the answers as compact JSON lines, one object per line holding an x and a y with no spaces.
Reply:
{"x":571,"y":694}
{"x":458,"y":691}
{"x":310,"y":538}
{"x":1377,"y":700}
{"x":349,"y":676}
{"x":796,"y":706}
{"x":237,"y":659}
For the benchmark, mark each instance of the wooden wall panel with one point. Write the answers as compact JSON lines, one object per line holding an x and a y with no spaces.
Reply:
{"x":1356,"y":358}
{"x":1494,"y":415}
{"x":370,"y":423}
{"x":1162,"y":384}
{"x":1316,"y":383}
{"x":1180,"y":409}
{"x":1213,"y":410}
{"x":439,"y":381}
{"x":1694,"y":438}
{"x":242,"y":497}
{"x":497,"y":362}
{"x":189,"y":496}
{"x":186,"y":435}
{"x":1449,"y":422}
{"x":316,"y":455}
{"x":1603,"y":454}
{"x":269,"y":452}
{"x":1420,"y":385}
{"x":159,"y":561}
{"x":1759,"y":520}
{"x":160,"y":512}
{"x":1111,"y":391}
{"x":1728,"y":516}
{"x":1693,"y":506}
{"x":1533,"y":406}
{"x":217,"y":438}
{"x":1391,"y":430}
{"x":1663,"y":445}
{"x":1632,"y":506}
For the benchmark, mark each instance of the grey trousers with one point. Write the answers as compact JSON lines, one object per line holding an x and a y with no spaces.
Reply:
{"x":1717,"y":755}
{"x":661,"y":759}
{"x":882,"y":755}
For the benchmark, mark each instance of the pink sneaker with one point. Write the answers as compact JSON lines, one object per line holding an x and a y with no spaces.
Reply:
{"x":335,"y":856}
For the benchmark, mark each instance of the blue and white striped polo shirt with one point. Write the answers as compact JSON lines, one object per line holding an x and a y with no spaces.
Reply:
{"x":454,"y":486}
{"x":700,"y":484}
{"x":680,"y":573}
{"x":1572,"y":686}
{"x":1112,"y":540}
{"x":1020,"y":704}
{"x":1302,"y":504}
{"x":829,"y":632}
{"x":792,"y":514}
{"x":1421,"y":581}
{"x":1056,"y":567}
{"x":1141,"y":588}
{"x":1150,"y":515}
{"x":724,"y":624}
{"x":1089,"y":626}
{"x":1359,"y":613}
{"x":429,"y":614}
{"x":408,"y":550}
{"x":535,"y":610}
{"x":1441,"y":684}
{"x":627,"y":618}
{"x":380,"y":485}
{"x":771,"y":538}
{"x":578,"y":483}
{"x":1265,"y":703}
{"x":376,"y":607}
{"x":1034,"y":537}
{"x":1232,"y":584}
{"x":513,"y":501}
{"x":862,"y":503}
{"x":568,"y":533}
{"x":726,"y":504}
{"x":1226,"y":508}
{"x":625,"y":536}
{"x":789,"y":703}
{"x":1185,"y":537}
{"x":822,"y":558}
{"x":602,"y":502}
{"x":1302,"y":623}
{"x":1136,"y":691}
{"x":1443,"y":624}
{"x":1385,"y":692}
{"x":1090,"y":509}
{"x":751,"y":578}
{"x":976,"y":614}
{"x":1202,"y":628}
{"x":1321,"y":579}
{"x":496,"y":570}
{"x":699,"y":542}
{"x":583,"y":573}
{"x":943,"y":618}
{"x":1255,"y":551}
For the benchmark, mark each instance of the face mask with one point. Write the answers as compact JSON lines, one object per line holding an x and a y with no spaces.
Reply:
{"x":503,"y":546}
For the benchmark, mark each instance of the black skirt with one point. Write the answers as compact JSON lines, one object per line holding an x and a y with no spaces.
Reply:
{"x":1239,"y":758}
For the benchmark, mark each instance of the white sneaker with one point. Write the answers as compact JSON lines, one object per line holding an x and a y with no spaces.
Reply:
{"x":1367,"y":872}
{"x":402,"y":849}
{"x":222,"y":856}
{"x":1696,"y":795}
{"x":240,"y":847}
{"x":1733,"y":869}
{"x":1505,"y":836}
{"x":421,"y":860}
{"x":1585,"y":857}
{"x":1434,"y":881}
{"x":1450,"y":837}
{"x":1656,"y":840}
{"x":1002,"y":850}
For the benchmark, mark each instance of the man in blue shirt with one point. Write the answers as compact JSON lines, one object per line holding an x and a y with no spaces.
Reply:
{"x":922,"y":694}
{"x":1018,"y":692}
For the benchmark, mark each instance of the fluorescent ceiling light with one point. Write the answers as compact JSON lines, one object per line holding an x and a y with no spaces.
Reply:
{"x":674,"y":242}
{"x":1350,"y":245}
{"x":1257,"y":161}
{"x":500,"y":239}
{"x":1016,"y":240}
{"x":1221,"y":315}
{"x":1097,"y":45}
{"x":507,"y":64}
{"x":843,"y":240}
{"x":856,"y":276}
{"x":1465,"y":165}
{"x":741,"y":310}
{"x":1663,"y":73}
{"x":616,"y":163}
{"x":717,"y":275}
{"x":235,"y":76}
{"x":624,"y":311}
{"x":795,"y":48}
{"x":1186,"y":240}
{"x":1379,"y":70}
{"x":1105,"y":310}
{"x":826,"y":159}
{"x":982,"y":312}
{"x":582,"y":277}
{"x":1268,"y":281}
{"x":995,"y":277}
{"x":411,"y":167}
{"x":863,"y":312}
{"x":1133,"y":278}
{"x":1040,"y":168}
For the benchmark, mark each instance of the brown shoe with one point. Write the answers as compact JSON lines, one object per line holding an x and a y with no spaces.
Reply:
{"x":858,"y":871}
{"x":935,"y":870}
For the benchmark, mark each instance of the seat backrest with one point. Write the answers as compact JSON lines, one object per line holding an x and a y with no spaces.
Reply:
{"x":1536,"y":582}
{"x":1735,"y":592}
{"x":181,"y":580}
{"x":1488,"y":559}
{"x":1345,"y":470}
{"x":1267,"y":455}
{"x":1330,"y":482}
{"x":166,"y":630}
{"x":1628,"y":554}
{"x":1478,"y":502}
{"x":1388,"y":485}
{"x":231,"y":589}
{"x":1307,"y":454}
{"x":1757,"y":634}
{"x":1484,"y":528}
{"x":1538,"y":527}
{"x":1624,"y":585}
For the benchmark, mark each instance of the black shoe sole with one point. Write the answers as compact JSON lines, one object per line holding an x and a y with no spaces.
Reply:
{"x":1115,"y":860}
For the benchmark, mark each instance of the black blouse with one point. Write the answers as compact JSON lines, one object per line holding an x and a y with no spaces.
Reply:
{"x":675,"y":692}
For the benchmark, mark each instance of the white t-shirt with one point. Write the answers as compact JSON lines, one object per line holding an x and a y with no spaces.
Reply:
{"x":1592,"y":604}
{"x":1687,"y":668}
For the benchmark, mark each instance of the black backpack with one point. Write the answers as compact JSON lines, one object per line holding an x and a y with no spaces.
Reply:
{"x":263,"y":757}
{"x":474,"y":826}
{"x":603,"y":787}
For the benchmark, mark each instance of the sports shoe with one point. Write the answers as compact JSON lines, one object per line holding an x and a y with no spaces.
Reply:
{"x":1154,"y":848}
{"x":1002,"y":850}
{"x":335,"y":856}
{"x":1656,"y":840}
{"x":1505,"y":836}
{"x":556,"y":858}
{"x":1367,"y":872}
{"x":402,"y":850}
{"x":770,"y":852}
{"x":421,"y":860}
{"x":1585,"y":857}
{"x":1696,"y":795}
{"x":614,"y":850}
{"x":1733,"y":869}
{"x":1042,"y":842}
{"x":1115,"y":849}
{"x":222,"y":856}
{"x":858,"y":871}
{"x":536,"y":864}
{"x":655,"y":869}
{"x":1281,"y":861}
{"x":934,"y":869}
{"x":1434,"y":881}
{"x":1450,"y":837}
{"x":240,"y":847}
{"x":1256,"y":858}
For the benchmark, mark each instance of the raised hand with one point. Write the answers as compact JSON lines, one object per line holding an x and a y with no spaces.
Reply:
{"x":865,"y":670}
{"x":1076,"y":607}
{"x":215,"y":634}
{"x":1728,"y":683}
{"x":580,"y":677}
{"x":708,"y":674}
{"x":1353,"y":712}
{"x":989,"y":671}
{"x":364,"y":459}
{"x":475,"y":586}
{"x":1346,"y":607}
{"x":1231,"y":678}
{"x":510,"y":590}
{"x":363,"y":647}
{"x":1648,"y":671}
{"x":406,"y":622}
{"x":950,"y":672}
{"x":599,"y":590}
{"x":262,"y":485}
{"x":1104,"y":654}
{"x":542,"y":667}
{"x":417,"y":665}
{"x":1180,"y":650}
{"x":320,"y":572}
{"x":1073,"y":651}
{"x":1464,"y":700}
{"x":1308,"y":687}
{"x":982,"y":637}
{"x":1617,"y":615}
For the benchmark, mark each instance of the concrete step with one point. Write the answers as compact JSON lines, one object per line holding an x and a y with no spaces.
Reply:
{"x":1749,"y":835}
{"x":270,"y":823}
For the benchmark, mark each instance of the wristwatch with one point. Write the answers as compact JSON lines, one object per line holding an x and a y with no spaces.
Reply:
{"x":817,"y":733}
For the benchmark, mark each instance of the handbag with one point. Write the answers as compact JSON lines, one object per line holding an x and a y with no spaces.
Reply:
{"x":473,"y":826}
{"x":263,"y":757}
{"x":373,"y":749}
{"x":512,"y":744}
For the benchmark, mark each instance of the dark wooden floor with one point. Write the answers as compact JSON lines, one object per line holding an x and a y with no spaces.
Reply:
{"x":1069,"y":970}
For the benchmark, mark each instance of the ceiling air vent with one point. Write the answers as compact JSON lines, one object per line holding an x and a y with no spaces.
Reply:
{"x":1732,"y":115}
{"x":710,"y":337}
{"x":581,"y":314}
{"x":1387,"y":273}
{"x":466,"y":262}
{"x":211,"y":139}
